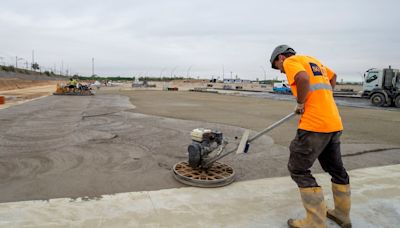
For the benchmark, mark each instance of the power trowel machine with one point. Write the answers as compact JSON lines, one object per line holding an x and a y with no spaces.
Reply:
{"x":202,"y":168}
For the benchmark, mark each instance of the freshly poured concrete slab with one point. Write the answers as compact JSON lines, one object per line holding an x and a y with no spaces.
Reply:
{"x":258,"y":203}
{"x":69,"y":147}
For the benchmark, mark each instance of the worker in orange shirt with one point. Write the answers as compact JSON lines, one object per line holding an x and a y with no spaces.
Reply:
{"x":318,"y":137}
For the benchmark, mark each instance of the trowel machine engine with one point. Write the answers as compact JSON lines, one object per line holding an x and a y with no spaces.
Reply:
{"x":205,"y":145}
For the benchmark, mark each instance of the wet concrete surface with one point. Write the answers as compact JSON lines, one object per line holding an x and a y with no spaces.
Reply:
{"x":63,"y":146}
{"x":361,"y":125}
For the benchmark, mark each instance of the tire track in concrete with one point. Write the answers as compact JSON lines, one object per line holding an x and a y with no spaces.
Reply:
{"x":88,"y":146}
{"x":48,"y":150}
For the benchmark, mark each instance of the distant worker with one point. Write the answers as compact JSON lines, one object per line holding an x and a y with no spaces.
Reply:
{"x":72,"y":84}
{"x":318,"y":137}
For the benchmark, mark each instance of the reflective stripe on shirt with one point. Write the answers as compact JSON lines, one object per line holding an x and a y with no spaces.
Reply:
{"x":318,"y":86}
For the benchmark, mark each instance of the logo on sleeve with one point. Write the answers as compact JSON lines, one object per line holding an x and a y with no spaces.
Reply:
{"x":315,"y":69}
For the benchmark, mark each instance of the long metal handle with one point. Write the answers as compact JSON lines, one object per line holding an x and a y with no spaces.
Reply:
{"x":266,"y":130}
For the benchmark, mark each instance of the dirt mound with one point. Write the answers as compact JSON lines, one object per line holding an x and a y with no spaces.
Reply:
{"x":13,"y":83}
{"x":17,"y":80}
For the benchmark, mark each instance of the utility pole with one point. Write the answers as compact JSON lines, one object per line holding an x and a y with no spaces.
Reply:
{"x":33,"y":58}
{"x":223,"y":72}
{"x":162,"y":71}
{"x":62,"y":67}
{"x":188,"y":72}
{"x":92,"y":66}
{"x":16,"y":61}
{"x":173,"y":70}
{"x":265,"y":73}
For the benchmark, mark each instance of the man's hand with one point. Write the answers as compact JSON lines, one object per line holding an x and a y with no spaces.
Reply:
{"x":299,"y":109}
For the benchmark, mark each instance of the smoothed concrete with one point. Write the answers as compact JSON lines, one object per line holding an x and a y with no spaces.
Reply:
{"x":74,"y":146}
{"x":258,"y":203}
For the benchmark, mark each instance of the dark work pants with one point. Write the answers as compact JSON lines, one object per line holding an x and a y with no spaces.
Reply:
{"x":306,"y":147}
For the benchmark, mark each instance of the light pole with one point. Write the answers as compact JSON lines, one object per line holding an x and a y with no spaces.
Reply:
{"x":162,"y":71}
{"x":265,"y":73}
{"x":92,"y":66}
{"x":173,"y":70}
{"x":16,"y":61}
{"x":33,"y":59}
{"x":188,"y":71}
{"x":62,"y":68}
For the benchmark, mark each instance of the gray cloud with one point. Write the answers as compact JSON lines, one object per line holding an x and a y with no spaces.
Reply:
{"x":164,"y":37}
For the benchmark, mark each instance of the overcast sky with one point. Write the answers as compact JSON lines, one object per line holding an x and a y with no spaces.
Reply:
{"x":199,"y":37}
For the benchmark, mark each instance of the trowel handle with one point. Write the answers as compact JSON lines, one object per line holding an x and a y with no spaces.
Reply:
{"x":276,"y":124}
{"x":246,"y":143}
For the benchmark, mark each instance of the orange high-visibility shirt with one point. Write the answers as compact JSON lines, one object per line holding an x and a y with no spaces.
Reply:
{"x":320,"y":111}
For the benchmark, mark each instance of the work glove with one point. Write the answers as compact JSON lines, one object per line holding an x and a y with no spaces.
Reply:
{"x":299,"y":109}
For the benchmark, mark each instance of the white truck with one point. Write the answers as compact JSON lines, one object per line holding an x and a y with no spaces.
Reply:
{"x":382,"y":86}
{"x":281,"y":87}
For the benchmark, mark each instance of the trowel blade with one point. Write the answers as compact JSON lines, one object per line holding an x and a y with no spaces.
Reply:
{"x":243,"y":142}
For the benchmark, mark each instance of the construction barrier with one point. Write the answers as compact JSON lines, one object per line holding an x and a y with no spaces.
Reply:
{"x":2,"y":100}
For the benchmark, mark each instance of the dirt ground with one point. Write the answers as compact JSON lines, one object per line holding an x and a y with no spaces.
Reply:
{"x":16,"y":84}
{"x":123,"y":141}
{"x":19,"y":96}
{"x":18,"y":88}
